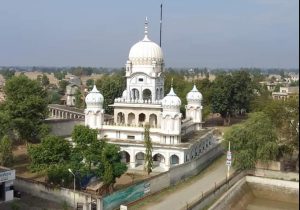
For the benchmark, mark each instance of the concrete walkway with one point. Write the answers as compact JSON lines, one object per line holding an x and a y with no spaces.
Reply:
{"x":178,"y":199}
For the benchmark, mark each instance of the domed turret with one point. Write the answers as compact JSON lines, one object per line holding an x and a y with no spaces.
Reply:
{"x":94,"y":99}
{"x":94,"y":113}
{"x":194,"y":96}
{"x":171,"y":116}
{"x":194,"y":107}
{"x":171,"y":101}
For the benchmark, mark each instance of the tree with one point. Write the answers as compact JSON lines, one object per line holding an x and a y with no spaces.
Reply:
{"x":149,"y":149}
{"x":79,"y":103}
{"x":25,"y":107}
{"x":51,"y":151}
{"x":62,"y":86}
{"x":6,"y":155}
{"x":222,"y":97}
{"x":87,"y":149}
{"x":45,"y":80}
{"x":253,"y":140}
{"x":89,"y":83}
{"x":111,"y":166}
{"x":285,"y":116}
{"x":111,"y":87}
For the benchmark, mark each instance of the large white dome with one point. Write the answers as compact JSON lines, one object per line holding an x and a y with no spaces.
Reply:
{"x":194,"y":96}
{"x":146,"y":50}
{"x":94,"y":99}
{"x":171,"y":100}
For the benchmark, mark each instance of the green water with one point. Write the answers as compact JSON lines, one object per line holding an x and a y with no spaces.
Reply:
{"x":266,"y":204}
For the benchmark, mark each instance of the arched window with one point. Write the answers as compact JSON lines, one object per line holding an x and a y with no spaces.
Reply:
{"x":121,"y":118}
{"x":142,"y":118}
{"x":125,"y":157}
{"x":147,"y":95}
{"x":174,"y":159}
{"x":161,"y":93}
{"x":131,"y":118}
{"x":140,"y":156}
{"x":157,"y":94}
{"x":159,"y":158}
{"x":153,"y":120}
{"x":135,"y":94}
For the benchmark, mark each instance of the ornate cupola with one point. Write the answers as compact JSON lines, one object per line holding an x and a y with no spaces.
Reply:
{"x":194,"y":96}
{"x":171,"y":102}
{"x":94,"y":112}
{"x":94,"y":99}
{"x":194,"y":106}
{"x":171,"y":116}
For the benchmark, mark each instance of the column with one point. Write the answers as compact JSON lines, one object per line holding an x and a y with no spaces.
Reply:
{"x":132,"y":160}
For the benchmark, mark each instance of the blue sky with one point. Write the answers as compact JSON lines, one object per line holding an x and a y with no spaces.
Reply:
{"x":196,"y":33}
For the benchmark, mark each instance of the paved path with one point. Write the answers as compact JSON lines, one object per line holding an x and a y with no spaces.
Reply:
{"x":190,"y":191}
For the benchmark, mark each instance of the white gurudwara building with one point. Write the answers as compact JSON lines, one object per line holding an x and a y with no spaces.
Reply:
{"x":175,"y":140}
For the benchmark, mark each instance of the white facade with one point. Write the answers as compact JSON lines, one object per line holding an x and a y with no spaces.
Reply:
{"x":142,"y":103}
{"x":7,"y":177}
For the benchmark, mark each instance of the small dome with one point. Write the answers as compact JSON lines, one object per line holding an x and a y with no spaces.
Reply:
{"x":194,"y":96}
{"x":171,"y":100}
{"x":94,"y":99}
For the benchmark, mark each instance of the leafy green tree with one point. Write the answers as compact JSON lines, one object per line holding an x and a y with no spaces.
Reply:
{"x":285,"y":116}
{"x":87,"y":149}
{"x":52,"y":150}
{"x":62,"y":86}
{"x":243,"y":90}
{"x":111,"y":86}
{"x":6,"y":155}
{"x":26,"y":107}
{"x":222,"y":97}
{"x":149,"y":149}
{"x":89,"y":83}
{"x":79,"y":103}
{"x":253,"y":140}
{"x":53,"y":97}
{"x":111,"y":166}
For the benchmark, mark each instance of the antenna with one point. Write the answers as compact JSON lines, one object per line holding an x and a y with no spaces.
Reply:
{"x":160,"y":25}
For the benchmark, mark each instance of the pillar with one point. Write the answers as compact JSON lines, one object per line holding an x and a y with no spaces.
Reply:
{"x":132,"y":160}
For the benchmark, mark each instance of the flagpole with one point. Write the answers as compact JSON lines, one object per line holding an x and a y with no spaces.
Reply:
{"x":160,"y":29}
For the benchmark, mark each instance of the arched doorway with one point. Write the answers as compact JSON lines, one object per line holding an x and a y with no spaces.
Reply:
{"x":147,"y":95}
{"x":131,"y":118}
{"x":139,"y":158}
{"x":125,"y":157}
{"x":158,"y":160}
{"x":174,"y":160}
{"x":142,"y":118}
{"x":121,"y":118}
{"x":153,"y":120}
